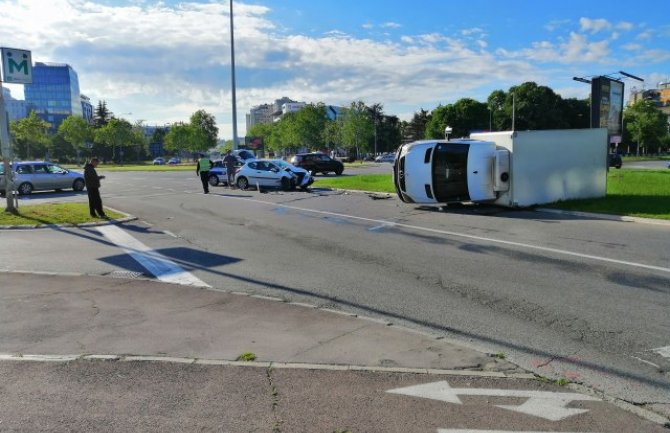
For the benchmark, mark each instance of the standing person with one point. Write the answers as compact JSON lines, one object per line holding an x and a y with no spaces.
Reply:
{"x":230,"y":160}
{"x":202,"y":169}
{"x":93,"y":189}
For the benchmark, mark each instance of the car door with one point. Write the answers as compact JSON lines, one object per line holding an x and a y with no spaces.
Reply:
{"x":58,"y":177}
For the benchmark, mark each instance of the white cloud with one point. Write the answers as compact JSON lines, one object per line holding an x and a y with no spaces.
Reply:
{"x":594,"y":26}
{"x":390,"y":25}
{"x":556,"y":25}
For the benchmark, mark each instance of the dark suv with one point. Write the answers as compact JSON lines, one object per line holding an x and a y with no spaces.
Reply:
{"x":317,"y":163}
{"x":614,"y":160}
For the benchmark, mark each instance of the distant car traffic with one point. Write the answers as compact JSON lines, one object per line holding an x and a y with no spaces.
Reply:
{"x":317,"y":163}
{"x":159,"y":161}
{"x":388,"y":157}
{"x":32,"y":176}
{"x":264,"y":174}
{"x":174,"y":161}
{"x":303,"y":178}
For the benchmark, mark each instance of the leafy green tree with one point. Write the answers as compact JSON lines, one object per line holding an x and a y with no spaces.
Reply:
{"x":388,"y":134}
{"x":332,"y":134}
{"x":310,"y":123}
{"x":76,"y":131}
{"x":646,"y":125}
{"x":357,"y":127}
{"x":576,"y":113}
{"x":31,"y":136}
{"x":179,"y":137}
{"x":536,"y":107}
{"x":500,"y":121}
{"x":205,"y":133}
{"x":464,"y":116}
{"x":116,"y":134}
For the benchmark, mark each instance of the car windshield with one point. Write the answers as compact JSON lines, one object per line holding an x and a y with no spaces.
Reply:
{"x":282,"y":164}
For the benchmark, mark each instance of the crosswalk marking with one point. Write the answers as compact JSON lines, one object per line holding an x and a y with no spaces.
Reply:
{"x":160,"y":266}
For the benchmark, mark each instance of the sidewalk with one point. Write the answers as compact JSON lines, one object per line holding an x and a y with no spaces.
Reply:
{"x":138,"y":355}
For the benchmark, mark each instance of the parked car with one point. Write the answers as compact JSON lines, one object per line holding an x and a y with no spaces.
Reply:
{"x":317,"y":163}
{"x":388,"y":157}
{"x":32,"y":176}
{"x":243,"y":155}
{"x":614,"y":160}
{"x":174,"y":161}
{"x":159,"y":161}
{"x":264,"y":174}
{"x":303,"y":178}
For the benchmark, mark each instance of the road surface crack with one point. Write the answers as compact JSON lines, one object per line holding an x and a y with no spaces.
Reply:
{"x":274,"y":396}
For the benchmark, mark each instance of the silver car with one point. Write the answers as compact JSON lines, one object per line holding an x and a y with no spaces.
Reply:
{"x":32,"y":176}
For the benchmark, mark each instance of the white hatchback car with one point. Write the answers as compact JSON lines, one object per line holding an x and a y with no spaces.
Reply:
{"x":264,"y":174}
{"x":303,"y":178}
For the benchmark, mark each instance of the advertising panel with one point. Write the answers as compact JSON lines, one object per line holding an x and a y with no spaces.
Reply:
{"x":607,"y":106}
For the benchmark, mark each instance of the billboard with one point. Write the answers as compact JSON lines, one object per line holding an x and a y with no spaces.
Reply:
{"x":607,"y":106}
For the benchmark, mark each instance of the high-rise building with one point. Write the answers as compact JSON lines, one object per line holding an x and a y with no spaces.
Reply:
{"x":16,"y":108}
{"x":54,"y":93}
{"x":86,"y":108}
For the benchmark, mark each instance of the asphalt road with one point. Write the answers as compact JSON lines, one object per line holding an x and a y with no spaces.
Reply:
{"x":579,"y":298}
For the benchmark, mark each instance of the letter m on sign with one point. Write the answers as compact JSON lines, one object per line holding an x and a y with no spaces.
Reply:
{"x":17,"y":66}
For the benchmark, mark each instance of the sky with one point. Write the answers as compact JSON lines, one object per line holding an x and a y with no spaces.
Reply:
{"x":160,"y":61}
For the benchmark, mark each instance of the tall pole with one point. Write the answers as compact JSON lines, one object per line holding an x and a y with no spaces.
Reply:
{"x":6,"y":155}
{"x":232,"y":67}
{"x":513,"y":110}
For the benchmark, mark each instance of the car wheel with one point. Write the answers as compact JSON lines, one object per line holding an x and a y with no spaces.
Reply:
{"x":78,"y":185}
{"x":339,"y":171}
{"x":618,"y":166}
{"x":25,"y":188}
{"x":285,"y":184}
{"x":213,"y":180}
{"x":242,"y":183}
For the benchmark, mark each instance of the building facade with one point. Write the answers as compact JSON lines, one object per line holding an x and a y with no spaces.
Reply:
{"x":54,"y":93}
{"x":16,"y":108}
{"x":87,"y":108}
{"x":660,"y":96}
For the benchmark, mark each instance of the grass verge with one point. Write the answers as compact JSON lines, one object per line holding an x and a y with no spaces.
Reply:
{"x":53,"y":213}
{"x":639,"y":193}
{"x":380,"y":182}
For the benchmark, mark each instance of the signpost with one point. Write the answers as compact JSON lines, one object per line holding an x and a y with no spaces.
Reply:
{"x":17,"y":68}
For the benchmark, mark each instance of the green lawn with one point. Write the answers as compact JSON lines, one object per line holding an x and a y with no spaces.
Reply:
{"x":362,"y":182}
{"x":52,"y":213}
{"x":641,"y":193}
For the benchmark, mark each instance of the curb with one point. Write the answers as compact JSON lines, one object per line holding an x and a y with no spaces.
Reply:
{"x":619,"y":218}
{"x":124,"y":219}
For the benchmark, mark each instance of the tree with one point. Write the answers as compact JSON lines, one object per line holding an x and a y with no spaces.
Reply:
{"x":500,"y":121}
{"x":76,"y":131}
{"x":310,"y":123}
{"x":646,"y":124}
{"x":101,"y":115}
{"x":116,"y":133}
{"x":205,"y":133}
{"x":357,"y":127}
{"x":535,"y":107}
{"x":464,"y":116}
{"x":415,"y":129}
{"x":576,"y":113}
{"x":179,"y":137}
{"x":30,"y":135}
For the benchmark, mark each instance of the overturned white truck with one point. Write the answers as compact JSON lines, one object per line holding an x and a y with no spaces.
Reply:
{"x":509,"y":168}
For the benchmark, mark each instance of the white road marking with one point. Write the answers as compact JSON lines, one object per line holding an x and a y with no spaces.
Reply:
{"x":663,"y":351}
{"x":542,"y":404}
{"x":462,"y":235}
{"x":488,"y":431}
{"x":160,"y":266}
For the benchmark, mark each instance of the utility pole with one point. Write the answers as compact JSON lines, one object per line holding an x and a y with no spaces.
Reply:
{"x":232,"y":67}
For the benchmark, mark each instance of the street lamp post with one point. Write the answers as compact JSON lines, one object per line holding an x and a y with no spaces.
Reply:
{"x":232,"y":68}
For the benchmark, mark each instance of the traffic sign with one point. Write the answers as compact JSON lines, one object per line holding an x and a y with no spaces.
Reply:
{"x":17,"y":66}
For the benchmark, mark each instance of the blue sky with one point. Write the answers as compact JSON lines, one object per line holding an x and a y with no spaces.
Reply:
{"x":161,"y":61}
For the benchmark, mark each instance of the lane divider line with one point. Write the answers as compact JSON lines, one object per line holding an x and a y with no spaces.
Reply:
{"x":462,"y":235}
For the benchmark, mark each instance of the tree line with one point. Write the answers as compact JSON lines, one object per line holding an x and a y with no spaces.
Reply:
{"x":359,"y":129}
{"x":110,"y":138}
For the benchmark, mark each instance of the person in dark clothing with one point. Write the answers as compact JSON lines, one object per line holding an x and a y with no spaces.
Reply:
{"x":230,"y":160}
{"x":93,"y":189}
{"x":202,"y":170}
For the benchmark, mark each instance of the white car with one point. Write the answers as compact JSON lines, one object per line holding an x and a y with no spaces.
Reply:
{"x":303,"y":178}
{"x":264,"y":174}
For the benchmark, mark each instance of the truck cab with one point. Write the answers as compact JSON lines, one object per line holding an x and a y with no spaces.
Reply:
{"x":440,"y":171}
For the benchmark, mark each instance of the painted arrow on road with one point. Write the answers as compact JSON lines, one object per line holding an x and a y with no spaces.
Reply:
{"x":542,"y":404}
